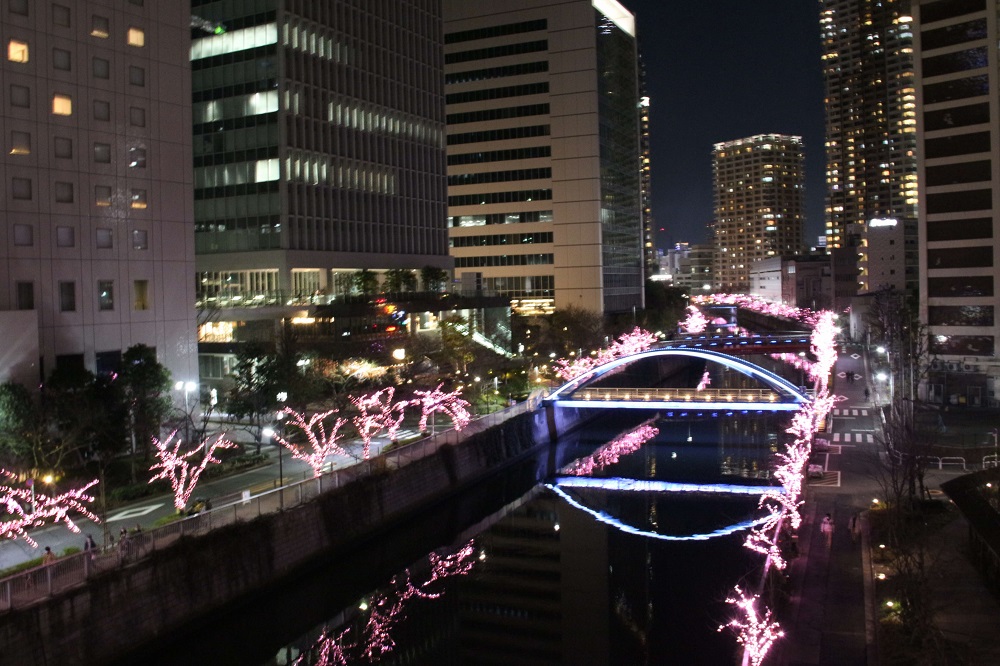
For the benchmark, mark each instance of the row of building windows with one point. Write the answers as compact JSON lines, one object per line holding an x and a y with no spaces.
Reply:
{"x":960,"y":315}
{"x":17,"y":51}
{"x":498,"y":114}
{"x":953,"y":34}
{"x":959,"y":144}
{"x":526,"y":132}
{"x":62,"y":192}
{"x":495,"y":31}
{"x":500,"y":51}
{"x":499,"y":176}
{"x":958,"y":61}
{"x":497,"y":93}
{"x":946,"y":91}
{"x":968,"y":229}
{"x":25,"y":295}
{"x":966,"y":286}
{"x":499,"y":197}
{"x":962,"y":345}
{"x":100,"y":26}
{"x":500,"y":155}
{"x":504,"y":260}
{"x":537,"y":67}
{"x":62,"y":105}
{"x":501,"y":218}
{"x":939,"y":11}
{"x":962,"y":172}
{"x":960,"y":257}
{"x":104,"y":237}
{"x":957,"y":202}
{"x":501,"y":239}
{"x":957,"y":116}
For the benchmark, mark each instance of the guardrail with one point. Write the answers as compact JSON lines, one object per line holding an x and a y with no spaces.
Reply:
{"x":676,"y":394}
{"x":27,"y":587}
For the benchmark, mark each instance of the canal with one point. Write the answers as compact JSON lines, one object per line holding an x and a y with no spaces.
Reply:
{"x":608,"y":548}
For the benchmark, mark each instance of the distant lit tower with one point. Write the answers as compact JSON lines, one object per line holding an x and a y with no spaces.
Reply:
{"x":871,"y":169}
{"x":759,"y":204}
{"x":957,"y":58}
{"x":645,"y":177}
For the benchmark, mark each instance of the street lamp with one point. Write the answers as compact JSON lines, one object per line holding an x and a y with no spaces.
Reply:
{"x":996,"y":452}
{"x":187,"y":388}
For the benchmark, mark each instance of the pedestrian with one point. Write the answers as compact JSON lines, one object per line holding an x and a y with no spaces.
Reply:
{"x":867,"y":394}
{"x":89,"y":546}
{"x":826,"y":527}
{"x":49,"y":557}
{"x":854,"y":526}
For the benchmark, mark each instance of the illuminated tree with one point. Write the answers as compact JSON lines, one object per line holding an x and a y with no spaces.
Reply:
{"x":437,"y":400}
{"x":322,"y":442}
{"x":44,"y":508}
{"x":376,"y":412}
{"x":175,"y":468}
{"x":756,"y":632}
{"x":695,"y":321}
{"x":627,"y":344}
{"x":611,"y":452}
{"x":706,"y":380}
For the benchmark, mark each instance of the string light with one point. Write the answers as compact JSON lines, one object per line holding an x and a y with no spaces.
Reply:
{"x":322,"y":443}
{"x":450,"y":404}
{"x":611,"y":452}
{"x":175,"y":468}
{"x":44,"y":508}
{"x":695,"y":321}
{"x":376,"y":412}
{"x":756,"y":632}
{"x":625,"y":345}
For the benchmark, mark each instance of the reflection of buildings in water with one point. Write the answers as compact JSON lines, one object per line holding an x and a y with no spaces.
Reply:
{"x":747,"y":445}
{"x":555,"y":590}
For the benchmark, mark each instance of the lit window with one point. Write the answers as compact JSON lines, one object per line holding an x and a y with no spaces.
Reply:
{"x":140,"y":291}
{"x":105,"y":295}
{"x":137,"y":158}
{"x":99,"y":27}
{"x":20,"y":143}
{"x":136,"y":37}
{"x":62,"y":105}
{"x":138,"y":199}
{"x":102,"y":196}
{"x":17,"y":51}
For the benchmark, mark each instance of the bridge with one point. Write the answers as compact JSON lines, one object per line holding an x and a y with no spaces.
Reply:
{"x":775,"y":343}
{"x":774,"y":393}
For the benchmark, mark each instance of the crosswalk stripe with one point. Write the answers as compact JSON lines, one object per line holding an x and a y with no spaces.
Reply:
{"x":836,"y":436}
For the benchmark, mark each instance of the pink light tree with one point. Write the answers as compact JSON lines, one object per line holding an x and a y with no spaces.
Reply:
{"x":633,"y":342}
{"x":175,"y":468}
{"x":706,"y":381}
{"x":756,"y":632}
{"x":387,"y":609}
{"x":44,"y":508}
{"x":695,"y":322}
{"x":323,"y":442}
{"x":450,"y":403}
{"x":377,"y":412}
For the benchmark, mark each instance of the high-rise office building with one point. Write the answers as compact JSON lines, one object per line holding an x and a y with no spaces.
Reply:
{"x":98,"y":251}
{"x":759,"y":186}
{"x":959,"y":122}
{"x":318,"y":152}
{"x":543,"y":152}
{"x":646,"y":175}
{"x":870,"y":133}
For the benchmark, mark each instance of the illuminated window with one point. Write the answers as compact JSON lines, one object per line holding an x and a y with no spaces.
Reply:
{"x":137,"y":157}
{"x":138,"y":199}
{"x":136,"y":37}
{"x":140,"y":293}
{"x":99,"y":27}
{"x":105,"y":295}
{"x":62,"y":105}
{"x":17,"y":51}
{"x":102,"y":196}
{"x":20,"y":143}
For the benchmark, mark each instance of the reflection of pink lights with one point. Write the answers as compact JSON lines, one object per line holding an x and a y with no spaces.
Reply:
{"x":57,"y":508}
{"x":175,"y":468}
{"x":450,"y":404}
{"x":321,"y":443}
{"x":386,"y":609}
{"x":627,"y":344}
{"x":755,"y":630}
{"x":609,"y":454}
{"x":706,"y":380}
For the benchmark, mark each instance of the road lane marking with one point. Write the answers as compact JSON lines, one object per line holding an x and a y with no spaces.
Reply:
{"x":129,"y":514}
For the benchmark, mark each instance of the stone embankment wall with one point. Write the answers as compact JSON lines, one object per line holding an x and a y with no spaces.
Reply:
{"x":121,"y":610}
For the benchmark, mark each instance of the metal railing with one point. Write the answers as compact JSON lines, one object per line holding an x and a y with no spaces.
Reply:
{"x":29,"y":586}
{"x":676,"y":394}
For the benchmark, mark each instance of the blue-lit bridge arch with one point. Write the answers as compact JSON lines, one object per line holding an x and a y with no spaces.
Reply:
{"x":775,"y":393}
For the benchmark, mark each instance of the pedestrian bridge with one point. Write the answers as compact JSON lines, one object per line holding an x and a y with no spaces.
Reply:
{"x":775,"y":343}
{"x":772,"y":392}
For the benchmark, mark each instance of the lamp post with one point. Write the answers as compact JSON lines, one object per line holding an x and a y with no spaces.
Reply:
{"x":996,"y":452}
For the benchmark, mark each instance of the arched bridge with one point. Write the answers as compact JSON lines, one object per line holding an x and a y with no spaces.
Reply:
{"x":774,"y":393}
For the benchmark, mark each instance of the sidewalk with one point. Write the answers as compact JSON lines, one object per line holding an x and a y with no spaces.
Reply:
{"x":831,"y":616}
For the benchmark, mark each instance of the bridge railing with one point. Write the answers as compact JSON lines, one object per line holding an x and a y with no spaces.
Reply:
{"x":676,"y":394}
{"x":27,"y":587}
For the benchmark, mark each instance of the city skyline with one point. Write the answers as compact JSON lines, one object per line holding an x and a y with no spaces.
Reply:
{"x":767,"y":57}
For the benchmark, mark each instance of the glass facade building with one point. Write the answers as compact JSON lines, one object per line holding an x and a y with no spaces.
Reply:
{"x":543,"y":133}
{"x":318,"y":146}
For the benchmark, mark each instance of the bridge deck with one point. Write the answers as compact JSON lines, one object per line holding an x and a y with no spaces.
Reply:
{"x":680,"y":398}
{"x":765,"y":344}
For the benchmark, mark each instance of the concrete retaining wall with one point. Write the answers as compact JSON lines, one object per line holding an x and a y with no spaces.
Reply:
{"x":121,"y":610}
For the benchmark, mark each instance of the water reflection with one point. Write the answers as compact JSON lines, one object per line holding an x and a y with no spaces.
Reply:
{"x":562,"y":582}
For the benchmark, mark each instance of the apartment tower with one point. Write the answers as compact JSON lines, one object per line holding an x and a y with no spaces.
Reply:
{"x":318,"y":152}
{"x":543,"y":152}
{"x":959,"y":130}
{"x":759,"y":184}
{"x":98,"y":246}
{"x":871,"y":164}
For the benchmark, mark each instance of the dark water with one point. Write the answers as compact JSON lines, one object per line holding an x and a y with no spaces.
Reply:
{"x":545,"y":580}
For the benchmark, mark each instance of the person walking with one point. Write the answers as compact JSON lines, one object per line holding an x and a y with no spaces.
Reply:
{"x":49,"y":557}
{"x":826,"y":527}
{"x":854,"y":526}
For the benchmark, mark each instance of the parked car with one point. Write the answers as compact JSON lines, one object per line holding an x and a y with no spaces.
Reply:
{"x":815,"y":471}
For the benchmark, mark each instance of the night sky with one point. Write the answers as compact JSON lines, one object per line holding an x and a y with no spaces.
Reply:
{"x":719,"y":70}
